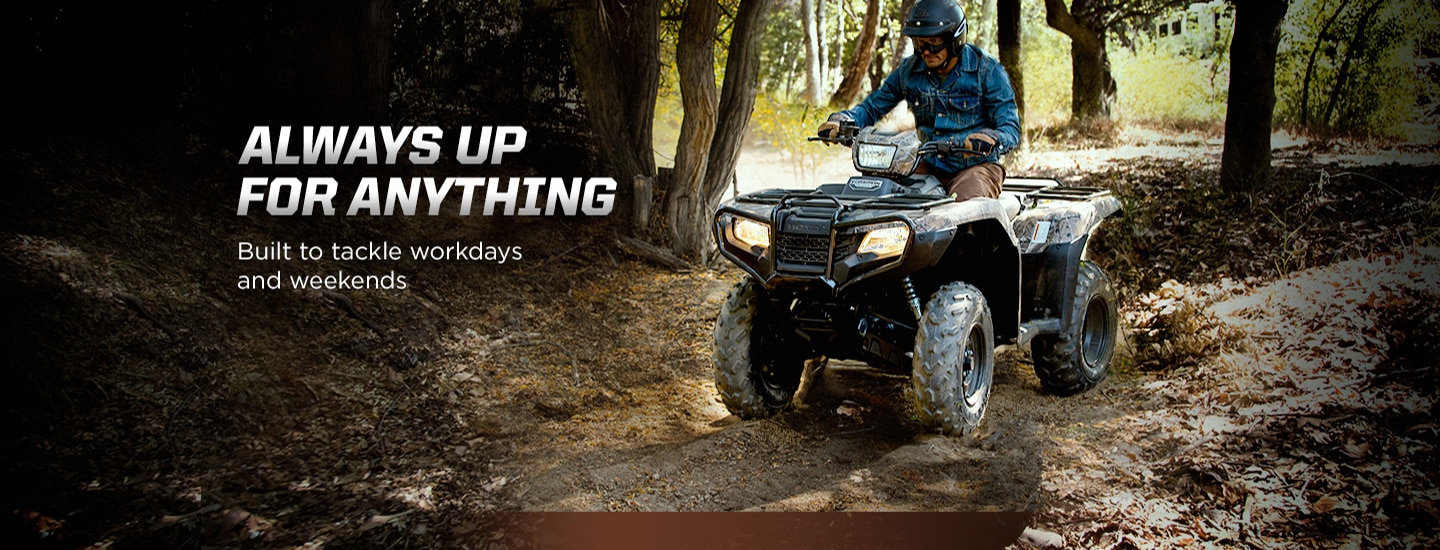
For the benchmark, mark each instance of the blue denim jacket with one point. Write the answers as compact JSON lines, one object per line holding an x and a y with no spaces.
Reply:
{"x":975,"y":97}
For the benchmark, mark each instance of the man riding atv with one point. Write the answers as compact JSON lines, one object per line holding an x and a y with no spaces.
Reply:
{"x":961,"y":99}
{"x":888,"y":268}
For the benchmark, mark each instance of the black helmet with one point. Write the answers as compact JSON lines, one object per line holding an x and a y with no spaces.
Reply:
{"x":942,"y":18}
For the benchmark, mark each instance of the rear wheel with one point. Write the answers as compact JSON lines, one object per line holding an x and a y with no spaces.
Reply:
{"x":954,"y":360}
{"x":1078,"y":359}
{"x":755,"y":372}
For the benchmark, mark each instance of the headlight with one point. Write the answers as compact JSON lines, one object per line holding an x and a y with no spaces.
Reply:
{"x":871,"y":156}
{"x":886,"y":241}
{"x":752,"y":233}
{"x":744,"y":232}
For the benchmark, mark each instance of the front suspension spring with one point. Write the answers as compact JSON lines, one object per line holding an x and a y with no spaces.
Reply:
{"x":910,"y":296}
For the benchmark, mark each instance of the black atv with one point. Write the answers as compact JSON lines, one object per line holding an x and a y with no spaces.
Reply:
{"x":887,"y":269}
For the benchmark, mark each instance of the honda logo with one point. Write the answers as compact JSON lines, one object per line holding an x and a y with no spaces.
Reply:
{"x":864,"y":184}
{"x":809,"y":228}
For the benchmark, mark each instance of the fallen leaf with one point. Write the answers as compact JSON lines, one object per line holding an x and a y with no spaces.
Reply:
{"x":1324,"y":505}
{"x":378,"y":520}
{"x":495,"y":484}
{"x":1355,"y":451}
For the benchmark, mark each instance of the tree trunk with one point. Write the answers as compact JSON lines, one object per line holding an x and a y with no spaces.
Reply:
{"x":902,"y":43}
{"x":813,"y":84}
{"x":1250,"y":108}
{"x":345,"y":48}
{"x":1310,"y":64}
{"x":837,"y":48}
{"x":1354,"y":49}
{"x":737,"y":101}
{"x":878,"y":70}
{"x":1008,"y":35}
{"x":860,"y":63}
{"x":695,"y":61}
{"x":615,"y":45}
{"x":824,"y":51}
{"x":1092,"y":88}
{"x":790,"y":73}
{"x":980,"y":28}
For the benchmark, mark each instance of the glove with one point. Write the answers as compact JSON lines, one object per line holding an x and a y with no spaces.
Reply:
{"x":831,"y":128}
{"x":979,"y":145}
{"x":974,"y":145}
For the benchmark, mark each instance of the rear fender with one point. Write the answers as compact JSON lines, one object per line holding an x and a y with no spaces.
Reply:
{"x":1053,"y":238}
{"x":1058,"y":223}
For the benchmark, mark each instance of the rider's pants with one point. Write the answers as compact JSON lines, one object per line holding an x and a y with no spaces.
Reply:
{"x":981,"y":180}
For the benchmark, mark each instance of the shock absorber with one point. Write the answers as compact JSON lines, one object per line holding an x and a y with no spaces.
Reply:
{"x":910,"y":296}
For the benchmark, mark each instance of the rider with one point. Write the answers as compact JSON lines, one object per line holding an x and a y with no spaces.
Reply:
{"x":961,"y":99}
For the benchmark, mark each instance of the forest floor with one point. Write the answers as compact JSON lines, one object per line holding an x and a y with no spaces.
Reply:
{"x":1276,"y":388}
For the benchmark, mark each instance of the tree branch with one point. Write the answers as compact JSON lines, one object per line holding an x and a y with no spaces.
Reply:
{"x":1058,"y":16}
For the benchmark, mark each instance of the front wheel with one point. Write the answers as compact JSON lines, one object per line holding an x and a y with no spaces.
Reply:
{"x":1076,"y":360}
{"x":954,"y":360}
{"x":755,"y":372}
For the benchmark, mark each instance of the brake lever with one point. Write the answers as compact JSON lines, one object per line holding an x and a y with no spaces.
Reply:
{"x":846,"y":141}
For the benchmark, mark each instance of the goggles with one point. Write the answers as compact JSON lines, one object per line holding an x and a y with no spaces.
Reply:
{"x":929,"y":47}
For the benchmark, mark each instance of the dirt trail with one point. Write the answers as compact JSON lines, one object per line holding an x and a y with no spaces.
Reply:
{"x":847,"y":445}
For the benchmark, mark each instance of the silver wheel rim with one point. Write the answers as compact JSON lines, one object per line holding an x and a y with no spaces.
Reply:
{"x":972,"y":366}
{"x":1095,"y":334}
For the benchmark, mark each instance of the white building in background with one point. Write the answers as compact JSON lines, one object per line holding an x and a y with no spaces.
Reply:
{"x":1197,"y":29}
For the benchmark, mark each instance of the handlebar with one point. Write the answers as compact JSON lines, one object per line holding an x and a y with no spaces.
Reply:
{"x":928,"y":148}
{"x":845,"y":135}
{"x":950,"y":149}
{"x":848,"y":131}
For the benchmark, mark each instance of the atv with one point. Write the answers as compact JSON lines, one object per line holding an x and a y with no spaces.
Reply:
{"x":888,"y":269}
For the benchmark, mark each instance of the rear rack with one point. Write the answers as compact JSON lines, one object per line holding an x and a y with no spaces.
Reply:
{"x":1070,"y":193}
{"x":1032,"y":191}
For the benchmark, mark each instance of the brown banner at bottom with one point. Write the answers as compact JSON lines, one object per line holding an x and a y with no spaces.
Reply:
{"x":748,"y":530}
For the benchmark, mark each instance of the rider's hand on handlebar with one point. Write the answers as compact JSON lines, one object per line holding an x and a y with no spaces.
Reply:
{"x":978,"y":145}
{"x":830,"y":130}
{"x":974,"y":145}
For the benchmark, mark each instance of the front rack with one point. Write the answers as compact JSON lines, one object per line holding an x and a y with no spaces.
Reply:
{"x":894,"y":201}
{"x":1030,"y":192}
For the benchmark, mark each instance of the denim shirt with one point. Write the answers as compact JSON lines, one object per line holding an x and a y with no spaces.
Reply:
{"x":974,"y":97}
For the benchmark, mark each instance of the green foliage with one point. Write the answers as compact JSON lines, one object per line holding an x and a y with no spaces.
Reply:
{"x":1384,"y":89}
{"x":782,"y":55}
{"x":1156,"y":85}
{"x":1430,"y":224}
{"x":1045,"y":53}
{"x":782,"y":49}
{"x":784,"y":124}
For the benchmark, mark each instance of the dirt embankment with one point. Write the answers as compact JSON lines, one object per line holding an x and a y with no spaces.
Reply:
{"x":154,"y":405}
